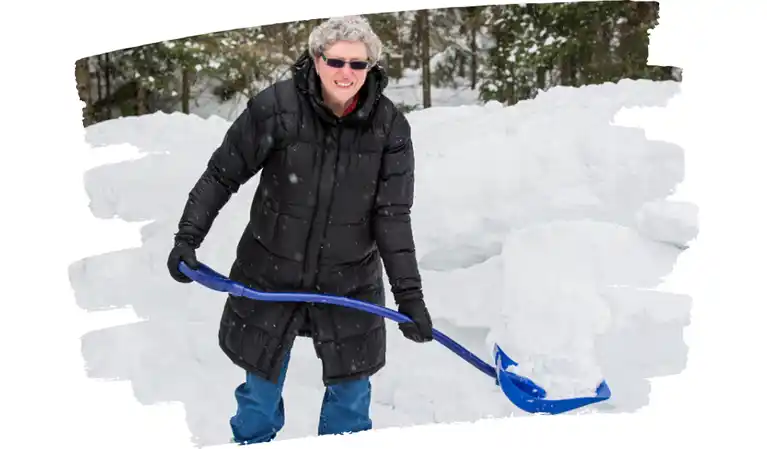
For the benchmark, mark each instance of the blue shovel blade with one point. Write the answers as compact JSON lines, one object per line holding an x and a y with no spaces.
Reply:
{"x":531,"y":398}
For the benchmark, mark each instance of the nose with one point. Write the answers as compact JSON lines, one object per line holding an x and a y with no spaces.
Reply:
{"x":347,"y":70}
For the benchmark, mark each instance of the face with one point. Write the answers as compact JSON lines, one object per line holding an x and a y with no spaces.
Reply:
{"x":342,"y":83}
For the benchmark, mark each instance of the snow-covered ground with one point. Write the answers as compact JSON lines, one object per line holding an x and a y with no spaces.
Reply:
{"x":540,"y":226}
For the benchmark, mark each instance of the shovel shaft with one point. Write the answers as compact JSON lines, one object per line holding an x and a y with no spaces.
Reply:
{"x":522,"y":391}
{"x":210,"y":278}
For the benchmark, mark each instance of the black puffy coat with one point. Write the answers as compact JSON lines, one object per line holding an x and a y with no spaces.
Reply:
{"x":331,"y":210}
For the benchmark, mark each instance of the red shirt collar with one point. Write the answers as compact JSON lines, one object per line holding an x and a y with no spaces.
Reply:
{"x":349,"y":109}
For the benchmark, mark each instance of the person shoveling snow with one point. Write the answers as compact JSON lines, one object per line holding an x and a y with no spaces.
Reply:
{"x":330,"y":213}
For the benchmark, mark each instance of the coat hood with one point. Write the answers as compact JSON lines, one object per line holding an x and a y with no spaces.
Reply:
{"x":307,"y":81}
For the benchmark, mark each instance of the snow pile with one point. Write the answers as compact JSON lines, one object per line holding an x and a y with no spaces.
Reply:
{"x":672,"y":222}
{"x":555,"y":275}
{"x":539,"y":226}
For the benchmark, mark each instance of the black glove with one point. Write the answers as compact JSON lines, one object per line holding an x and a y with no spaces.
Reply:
{"x":182,"y":251}
{"x":420,"y":330}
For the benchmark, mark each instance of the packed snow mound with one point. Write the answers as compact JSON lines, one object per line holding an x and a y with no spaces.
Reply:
{"x":540,"y":226}
{"x":673,"y":222}
{"x":484,"y":171}
{"x":553,"y":305}
{"x":488,"y":169}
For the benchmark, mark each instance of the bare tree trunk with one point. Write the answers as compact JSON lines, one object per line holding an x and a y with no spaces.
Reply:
{"x":574,"y":72}
{"x":107,"y":83}
{"x":569,"y":70}
{"x":540,"y":80}
{"x":564,"y":71}
{"x":99,"y":80}
{"x":185,"y":94}
{"x":83,"y":80}
{"x":473,"y":18}
{"x":141,"y":100}
{"x":422,"y":18}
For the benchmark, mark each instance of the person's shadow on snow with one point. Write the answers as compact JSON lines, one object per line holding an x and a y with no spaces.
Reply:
{"x":173,"y":354}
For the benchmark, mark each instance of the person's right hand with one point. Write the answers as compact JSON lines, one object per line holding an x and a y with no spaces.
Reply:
{"x":182,"y":252}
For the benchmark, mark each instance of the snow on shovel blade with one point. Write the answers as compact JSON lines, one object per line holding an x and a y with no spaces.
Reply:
{"x":534,"y":400}
{"x":523,"y":392}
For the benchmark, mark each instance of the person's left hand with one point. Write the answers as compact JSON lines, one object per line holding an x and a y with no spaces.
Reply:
{"x":420,"y":330}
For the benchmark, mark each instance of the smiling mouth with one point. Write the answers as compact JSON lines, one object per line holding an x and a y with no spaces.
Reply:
{"x":343,"y":85}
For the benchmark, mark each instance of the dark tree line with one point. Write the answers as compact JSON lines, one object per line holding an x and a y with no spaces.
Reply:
{"x":505,"y":53}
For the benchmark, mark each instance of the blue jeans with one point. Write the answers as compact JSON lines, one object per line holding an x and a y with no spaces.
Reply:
{"x":261,"y":410}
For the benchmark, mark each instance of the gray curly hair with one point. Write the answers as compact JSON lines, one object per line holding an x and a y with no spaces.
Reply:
{"x":347,"y":28}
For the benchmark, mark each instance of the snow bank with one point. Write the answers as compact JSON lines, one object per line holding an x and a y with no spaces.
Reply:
{"x":553,"y":309}
{"x":539,"y":226}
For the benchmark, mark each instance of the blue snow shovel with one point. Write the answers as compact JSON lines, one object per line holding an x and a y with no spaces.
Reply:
{"x":523,"y":392}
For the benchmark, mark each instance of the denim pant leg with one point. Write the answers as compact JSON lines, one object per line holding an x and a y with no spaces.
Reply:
{"x":346,"y":408}
{"x":260,"y":409}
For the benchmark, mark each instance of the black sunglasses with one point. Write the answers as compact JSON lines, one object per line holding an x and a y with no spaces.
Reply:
{"x":337,"y":63}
